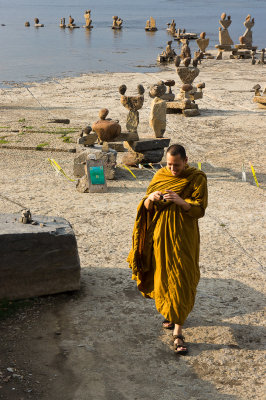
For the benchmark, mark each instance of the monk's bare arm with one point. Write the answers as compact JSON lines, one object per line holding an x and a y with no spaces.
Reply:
{"x":155,"y":196}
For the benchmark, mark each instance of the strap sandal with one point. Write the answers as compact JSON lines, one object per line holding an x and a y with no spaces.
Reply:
{"x":180,"y":348}
{"x":167,"y":324}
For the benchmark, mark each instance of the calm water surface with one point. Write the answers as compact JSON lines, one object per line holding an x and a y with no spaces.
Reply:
{"x":30,"y":54}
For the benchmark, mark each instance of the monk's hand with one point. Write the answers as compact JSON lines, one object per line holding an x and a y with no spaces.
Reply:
{"x":174,"y":197}
{"x":155,"y":196}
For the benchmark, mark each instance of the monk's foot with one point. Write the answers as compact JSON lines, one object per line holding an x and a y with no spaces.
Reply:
{"x":168,"y":325}
{"x":179,"y":345}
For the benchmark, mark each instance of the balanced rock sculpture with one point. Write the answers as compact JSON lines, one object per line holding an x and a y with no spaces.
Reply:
{"x":185,"y":50}
{"x":171,"y":27}
{"x":185,"y":101}
{"x":37,"y":23}
{"x":158,"y":109}
{"x":225,"y":41}
{"x":182,"y":34}
{"x":133,"y":104}
{"x":87,"y":138}
{"x":117,"y":22}
{"x":203,"y":43}
{"x":106,"y":129}
{"x":88,"y":21}
{"x":168,"y":54}
{"x":246,"y":39}
{"x":62,"y":23}
{"x":71,"y":23}
{"x":260,"y":97}
{"x":150,"y":25}
{"x":245,"y":48}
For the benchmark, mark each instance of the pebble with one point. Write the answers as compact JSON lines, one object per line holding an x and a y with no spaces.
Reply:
{"x":17,"y":376}
{"x":10,"y":369}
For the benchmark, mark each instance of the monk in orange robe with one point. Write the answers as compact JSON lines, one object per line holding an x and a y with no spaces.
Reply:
{"x":165,"y":251}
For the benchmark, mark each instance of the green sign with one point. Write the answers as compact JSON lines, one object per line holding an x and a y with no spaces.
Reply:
{"x":97,"y":175}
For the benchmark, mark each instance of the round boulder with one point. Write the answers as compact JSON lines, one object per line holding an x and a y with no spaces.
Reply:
{"x":106,"y":130}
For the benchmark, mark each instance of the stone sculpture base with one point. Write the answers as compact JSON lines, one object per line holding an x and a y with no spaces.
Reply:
{"x":185,"y":107}
{"x":145,"y":151}
{"x":37,"y":260}
{"x":117,"y":146}
{"x":108,"y":157}
{"x":187,"y":35}
{"x":132,"y":158}
{"x":261,"y":100}
{"x":246,"y":47}
{"x":221,"y":49}
{"x":242,"y":53}
{"x":88,"y":140}
{"x":147,"y":144}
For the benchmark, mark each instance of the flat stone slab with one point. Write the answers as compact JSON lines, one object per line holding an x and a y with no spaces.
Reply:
{"x":126,"y":136}
{"x":37,"y":260}
{"x":146,"y":144}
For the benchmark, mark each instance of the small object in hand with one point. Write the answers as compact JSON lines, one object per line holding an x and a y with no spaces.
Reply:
{"x":162,"y":198}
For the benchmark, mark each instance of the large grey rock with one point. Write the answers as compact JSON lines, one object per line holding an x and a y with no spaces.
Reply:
{"x":37,"y":260}
{"x":147,"y":144}
{"x":109,"y":160}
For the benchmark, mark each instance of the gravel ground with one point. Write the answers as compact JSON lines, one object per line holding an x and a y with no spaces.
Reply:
{"x":106,"y":341}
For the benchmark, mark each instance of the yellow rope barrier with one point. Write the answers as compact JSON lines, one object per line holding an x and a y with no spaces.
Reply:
{"x":57,"y":168}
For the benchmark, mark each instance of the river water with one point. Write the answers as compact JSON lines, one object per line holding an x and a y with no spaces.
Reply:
{"x":36,"y":54}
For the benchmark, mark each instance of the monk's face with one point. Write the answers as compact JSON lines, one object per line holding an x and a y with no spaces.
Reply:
{"x":176,"y":164}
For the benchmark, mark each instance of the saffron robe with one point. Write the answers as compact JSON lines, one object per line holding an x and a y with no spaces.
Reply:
{"x":165,"y":246}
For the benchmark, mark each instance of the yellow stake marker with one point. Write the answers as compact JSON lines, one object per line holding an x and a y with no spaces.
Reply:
{"x":254,"y":174}
{"x":199,"y":165}
{"x":153,"y":167}
{"x":57,"y":167}
{"x":129,"y":170}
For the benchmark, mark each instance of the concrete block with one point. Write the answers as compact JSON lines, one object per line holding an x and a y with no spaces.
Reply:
{"x":37,"y":259}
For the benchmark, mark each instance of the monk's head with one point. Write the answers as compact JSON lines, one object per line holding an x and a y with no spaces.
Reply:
{"x":176,"y":159}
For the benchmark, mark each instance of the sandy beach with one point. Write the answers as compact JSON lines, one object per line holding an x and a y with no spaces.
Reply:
{"x":106,"y":341}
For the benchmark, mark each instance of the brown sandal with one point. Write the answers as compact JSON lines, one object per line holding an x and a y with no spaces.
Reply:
{"x":167,"y":324}
{"x":178,"y":347}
